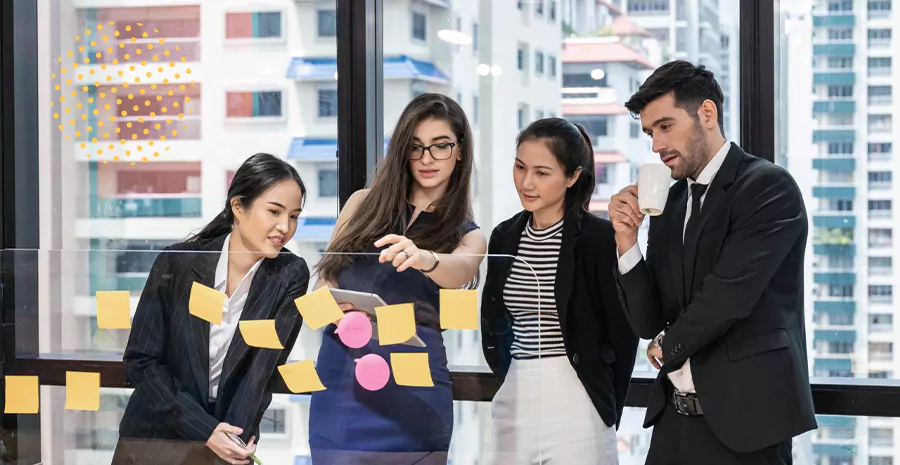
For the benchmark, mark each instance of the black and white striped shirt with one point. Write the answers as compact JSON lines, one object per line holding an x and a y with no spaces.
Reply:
{"x":529,"y":295}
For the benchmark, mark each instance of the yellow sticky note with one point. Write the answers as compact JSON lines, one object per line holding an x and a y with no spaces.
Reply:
{"x":21,"y":394}
{"x":82,"y":391}
{"x":260,"y":333}
{"x":459,"y":309}
{"x":301,"y":377}
{"x":396,"y":323}
{"x":318,"y":308}
{"x":411,"y":369}
{"x":113,"y":310}
{"x":206,"y":303}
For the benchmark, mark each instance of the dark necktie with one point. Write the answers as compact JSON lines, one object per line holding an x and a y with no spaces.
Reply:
{"x":690,"y":242}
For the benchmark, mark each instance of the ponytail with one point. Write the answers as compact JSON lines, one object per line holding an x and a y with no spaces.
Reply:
{"x":219,"y":226}
{"x":581,"y":192}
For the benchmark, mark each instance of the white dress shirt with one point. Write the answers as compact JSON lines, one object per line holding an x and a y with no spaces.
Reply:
{"x":681,"y":378}
{"x":220,"y":336}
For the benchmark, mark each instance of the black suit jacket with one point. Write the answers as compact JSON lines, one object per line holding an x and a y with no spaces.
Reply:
{"x":600,"y":344}
{"x":167,"y":356}
{"x":741,"y":324}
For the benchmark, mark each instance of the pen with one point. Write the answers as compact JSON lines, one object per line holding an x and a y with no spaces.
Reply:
{"x":241,"y":443}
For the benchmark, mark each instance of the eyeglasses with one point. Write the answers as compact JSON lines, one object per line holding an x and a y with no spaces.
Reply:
{"x":439,"y":151}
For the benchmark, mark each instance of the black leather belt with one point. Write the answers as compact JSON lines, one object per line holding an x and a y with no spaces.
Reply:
{"x":686,"y":404}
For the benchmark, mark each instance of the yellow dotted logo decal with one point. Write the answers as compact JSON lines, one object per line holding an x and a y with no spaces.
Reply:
{"x":121,"y":94}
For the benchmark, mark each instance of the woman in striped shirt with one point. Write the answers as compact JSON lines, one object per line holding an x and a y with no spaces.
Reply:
{"x":553,"y":330}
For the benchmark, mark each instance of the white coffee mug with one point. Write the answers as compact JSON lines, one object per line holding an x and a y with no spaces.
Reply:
{"x":653,"y":188}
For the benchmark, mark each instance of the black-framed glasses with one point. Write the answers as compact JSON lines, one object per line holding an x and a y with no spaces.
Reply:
{"x":438,"y":151}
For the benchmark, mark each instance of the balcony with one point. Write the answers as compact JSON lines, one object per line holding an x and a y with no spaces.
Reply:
{"x":881,"y":156}
{"x":879,"y":43}
{"x":834,"y":135}
{"x":881,"y":299}
{"x":846,"y":49}
{"x":880,"y":214}
{"x":835,"y":79}
{"x":145,"y":207}
{"x":830,"y":239}
{"x":834,"y":107}
{"x":881,"y":99}
{"x":165,"y":49}
{"x":880,"y":185}
{"x":822,"y":248}
{"x":842,"y":19}
{"x":834,"y":164}
{"x":845,"y":277}
{"x":834,"y":221}
{"x":834,"y":192}
{"x":880,"y":71}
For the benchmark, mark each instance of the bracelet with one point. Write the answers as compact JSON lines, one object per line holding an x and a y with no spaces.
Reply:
{"x":437,"y":261}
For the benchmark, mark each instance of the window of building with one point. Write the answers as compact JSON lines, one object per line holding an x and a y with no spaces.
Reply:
{"x":328,"y":182}
{"x":255,"y":25}
{"x":419,"y":26}
{"x":253,"y":104}
{"x":328,"y":103}
{"x":327,"y":23}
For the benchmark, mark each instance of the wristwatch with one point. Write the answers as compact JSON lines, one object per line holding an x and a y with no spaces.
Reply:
{"x":658,"y":340}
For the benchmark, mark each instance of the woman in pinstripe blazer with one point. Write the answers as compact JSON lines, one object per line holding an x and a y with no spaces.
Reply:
{"x":194,"y":382}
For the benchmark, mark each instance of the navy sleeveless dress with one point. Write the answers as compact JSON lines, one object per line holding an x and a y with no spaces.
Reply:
{"x":397,"y":424}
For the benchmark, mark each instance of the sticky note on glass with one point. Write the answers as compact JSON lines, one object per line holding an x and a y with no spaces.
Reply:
{"x":396,"y":323}
{"x":206,"y":303}
{"x":82,"y":391}
{"x":459,"y":309}
{"x":411,"y":369}
{"x":113,"y":309}
{"x":318,"y":308}
{"x":301,"y":377}
{"x":260,"y":333}
{"x":21,"y":395}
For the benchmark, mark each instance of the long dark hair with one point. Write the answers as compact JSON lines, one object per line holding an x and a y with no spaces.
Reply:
{"x":572,"y":147}
{"x":385,"y":210}
{"x":255,"y":176}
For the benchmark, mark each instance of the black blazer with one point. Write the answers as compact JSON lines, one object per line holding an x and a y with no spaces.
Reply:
{"x":167,"y":356}
{"x":741,"y":324}
{"x":600,"y":344}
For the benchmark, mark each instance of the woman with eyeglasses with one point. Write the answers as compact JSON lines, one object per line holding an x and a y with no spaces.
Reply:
{"x":408,"y":236}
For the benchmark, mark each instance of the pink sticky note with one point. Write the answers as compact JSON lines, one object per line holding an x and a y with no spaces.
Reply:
{"x":372,"y":372}
{"x":354,"y":329}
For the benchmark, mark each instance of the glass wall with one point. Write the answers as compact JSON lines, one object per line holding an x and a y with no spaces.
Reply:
{"x":837,"y":132}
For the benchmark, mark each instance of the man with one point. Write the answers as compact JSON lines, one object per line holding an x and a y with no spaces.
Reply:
{"x":721,"y":288}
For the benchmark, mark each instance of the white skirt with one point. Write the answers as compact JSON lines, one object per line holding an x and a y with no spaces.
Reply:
{"x":543,"y":415}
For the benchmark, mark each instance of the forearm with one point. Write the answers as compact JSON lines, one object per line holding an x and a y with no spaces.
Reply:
{"x":453,"y":270}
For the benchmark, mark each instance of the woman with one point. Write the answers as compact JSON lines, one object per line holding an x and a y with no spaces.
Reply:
{"x":553,"y":331}
{"x":407,"y":237}
{"x":197,"y":383}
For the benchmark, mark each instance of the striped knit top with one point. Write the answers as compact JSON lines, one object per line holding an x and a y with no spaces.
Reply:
{"x":529,"y":295}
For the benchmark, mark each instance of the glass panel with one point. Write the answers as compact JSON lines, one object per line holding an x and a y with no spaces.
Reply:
{"x":842,"y":160}
{"x":166,"y":311}
{"x":148,"y":111}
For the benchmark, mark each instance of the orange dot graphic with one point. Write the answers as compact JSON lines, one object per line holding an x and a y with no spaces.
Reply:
{"x":133,"y":136}
{"x":56,"y":116}
{"x":116,"y":33}
{"x":57,"y":87}
{"x":155,"y":154}
{"x":128,"y":153}
{"x":118,"y":130}
{"x":101,"y":123}
{"x":83,"y":145}
{"x":144,"y":35}
{"x":140,"y":148}
{"x":138,"y":51}
{"x":77,"y":133}
{"x":93,"y":43}
{"x":143,"y":159}
{"x":88,"y":32}
{"x":111,"y":146}
{"x":177,"y":76}
{"x":127,"y":56}
{"x":120,"y":73}
{"x":118,"y":101}
{"x":135,"y":108}
{"x":137,"y":79}
{"x":78,"y":105}
{"x":172,"y":92}
{"x":61,"y":127}
{"x":142,"y":91}
{"x":124,"y":113}
{"x":127,"y":28}
{"x":66,"y":111}
{"x":159,"y":98}
{"x":152,"y":113}
{"x":174,"y":133}
{"x":150,"y":143}
{"x":165,"y":110}
{"x":94,"y":140}
{"x":84,"y":88}
{"x":116,"y":60}
{"x":146,"y":131}
{"x":128,"y":125}
{"x":91,"y":100}
{"x":99,"y":55}
{"x":147,"y":103}
{"x":166,"y":53}
{"x":163,"y":138}
{"x":162,"y":41}
{"x":102,"y":95}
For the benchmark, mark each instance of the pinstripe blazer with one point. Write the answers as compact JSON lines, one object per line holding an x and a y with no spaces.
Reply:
{"x":167,"y":356}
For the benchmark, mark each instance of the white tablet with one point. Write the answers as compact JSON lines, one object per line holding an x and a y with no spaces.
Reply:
{"x":366,"y":302}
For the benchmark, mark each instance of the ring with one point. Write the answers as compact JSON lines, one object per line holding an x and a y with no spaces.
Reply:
{"x":402,"y":252}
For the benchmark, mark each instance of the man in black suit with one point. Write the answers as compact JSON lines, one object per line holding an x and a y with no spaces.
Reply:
{"x":721,"y":288}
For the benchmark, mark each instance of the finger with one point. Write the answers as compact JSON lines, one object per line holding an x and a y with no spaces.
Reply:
{"x":628,"y":216}
{"x":389,"y":239}
{"x":632,"y":189}
{"x":232,"y":429}
{"x":345,"y":307}
{"x":411,"y":262}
